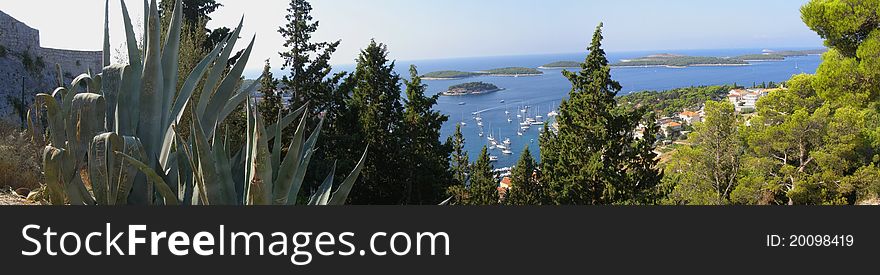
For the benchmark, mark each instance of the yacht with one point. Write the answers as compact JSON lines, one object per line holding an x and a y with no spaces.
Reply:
{"x":507,"y":152}
{"x":480,"y":123}
{"x":461,"y":103}
{"x":502,"y":101}
{"x":463,"y":124}
{"x":509,"y":120}
{"x":493,"y":158}
{"x":507,"y":141}
{"x":552,"y":114}
{"x":501,"y":147}
{"x":519,"y":133}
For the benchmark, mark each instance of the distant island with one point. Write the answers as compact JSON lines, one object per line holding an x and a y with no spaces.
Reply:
{"x":561,"y":65}
{"x":510,"y":71}
{"x":471,"y":88}
{"x":680,"y":61}
{"x":675,"y":60}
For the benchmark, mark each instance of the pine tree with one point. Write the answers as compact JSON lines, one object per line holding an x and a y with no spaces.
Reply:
{"x":427,"y":159}
{"x":525,"y":188}
{"x":483,"y":187}
{"x":594,"y":157}
{"x":376,"y":106}
{"x":460,"y":160}
{"x":271,"y":104}
{"x":308,"y":62}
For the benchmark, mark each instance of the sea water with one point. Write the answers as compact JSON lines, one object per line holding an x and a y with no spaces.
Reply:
{"x":544,"y":93}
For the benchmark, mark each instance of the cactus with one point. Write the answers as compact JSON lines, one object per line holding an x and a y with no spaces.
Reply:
{"x":121,"y":130}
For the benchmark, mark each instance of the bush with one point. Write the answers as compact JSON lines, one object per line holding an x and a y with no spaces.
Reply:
{"x":2,"y":51}
{"x":20,"y":160}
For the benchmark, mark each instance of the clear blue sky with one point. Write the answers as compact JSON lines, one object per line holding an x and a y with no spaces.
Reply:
{"x":432,"y":29}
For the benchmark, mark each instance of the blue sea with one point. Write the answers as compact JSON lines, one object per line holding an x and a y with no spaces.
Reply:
{"x":543,"y":93}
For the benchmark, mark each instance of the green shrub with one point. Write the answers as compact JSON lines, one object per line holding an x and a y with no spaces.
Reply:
{"x":2,"y":51}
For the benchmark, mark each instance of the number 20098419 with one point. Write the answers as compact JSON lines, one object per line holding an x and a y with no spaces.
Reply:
{"x":810,"y":241}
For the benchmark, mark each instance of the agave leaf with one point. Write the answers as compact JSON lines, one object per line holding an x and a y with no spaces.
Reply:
{"x":103,"y":170}
{"x":57,"y":133}
{"x":53,"y":170}
{"x":225,"y":92}
{"x":276,"y":148}
{"x":260,"y":191}
{"x":127,"y":173}
{"x":170,"y":57}
{"x":224,"y":169}
{"x":237,"y":99}
{"x":305,"y":159}
{"x":111,"y":85}
{"x":183,"y":99}
{"x":207,"y":166}
{"x":248,"y":150}
{"x":199,"y":186}
{"x":323,"y":195}
{"x":106,"y":33}
{"x":86,"y":121}
{"x":216,"y":71}
{"x":284,"y":181}
{"x":446,"y":202}
{"x":168,"y":195}
{"x":341,"y":194}
{"x":150,"y":128}
{"x":287,"y":120}
{"x":130,"y":100}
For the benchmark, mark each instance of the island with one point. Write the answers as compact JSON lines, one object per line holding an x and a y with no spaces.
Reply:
{"x":561,"y":65}
{"x":510,"y":71}
{"x":679,"y":61}
{"x":449,"y":75}
{"x":513,"y":71}
{"x":471,"y":88}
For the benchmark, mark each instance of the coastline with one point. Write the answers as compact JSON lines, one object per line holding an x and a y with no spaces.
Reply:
{"x":681,"y":67}
{"x":446,"y":93}
{"x":481,"y":74}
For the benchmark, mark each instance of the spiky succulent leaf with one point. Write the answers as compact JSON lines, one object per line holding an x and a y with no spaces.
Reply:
{"x":167,"y":194}
{"x":341,"y":194}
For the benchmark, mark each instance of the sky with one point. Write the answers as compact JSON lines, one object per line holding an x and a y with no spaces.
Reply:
{"x":438,"y":29}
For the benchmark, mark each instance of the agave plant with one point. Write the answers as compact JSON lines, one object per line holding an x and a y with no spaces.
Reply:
{"x":108,"y":127}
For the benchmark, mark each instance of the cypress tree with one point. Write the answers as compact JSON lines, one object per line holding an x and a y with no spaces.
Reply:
{"x":308,"y":62}
{"x":594,"y":158}
{"x":427,"y":159}
{"x":271,"y":104}
{"x":460,"y":160}
{"x":483,"y":187}
{"x":525,"y":188}
{"x":375,"y":105}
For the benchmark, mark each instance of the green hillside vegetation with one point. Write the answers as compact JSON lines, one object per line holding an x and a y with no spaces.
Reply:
{"x":668,"y":103}
{"x":514,"y":71}
{"x":679,"y":61}
{"x":562,"y":64}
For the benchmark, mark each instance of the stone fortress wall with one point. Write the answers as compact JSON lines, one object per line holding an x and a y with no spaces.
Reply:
{"x":20,"y":38}
{"x":17,"y":81}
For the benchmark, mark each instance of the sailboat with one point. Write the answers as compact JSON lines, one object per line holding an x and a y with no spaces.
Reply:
{"x":507,"y":152}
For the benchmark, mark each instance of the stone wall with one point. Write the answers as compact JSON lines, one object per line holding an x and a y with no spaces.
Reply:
{"x":19,"y":82}
{"x":16,"y":36}
{"x":73,"y":63}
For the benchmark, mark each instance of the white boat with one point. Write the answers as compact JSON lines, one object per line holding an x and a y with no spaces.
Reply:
{"x":481,"y":134}
{"x":461,"y":103}
{"x":506,"y":112}
{"x":509,"y":120}
{"x":525,"y":128}
{"x":501,"y":147}
{"x":552,"y":114}
{"x":518,"y":116}
{"x":537,"y":123}
{"x":480,"y":123}
{"x":507,"y":141}
{"x":519,"y":133}
{"x":502,"y":101}
{"x":493,"y":158}
{"x":463,"y":124}
{"x":478,"y":118}
{"x":507,"y":152}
